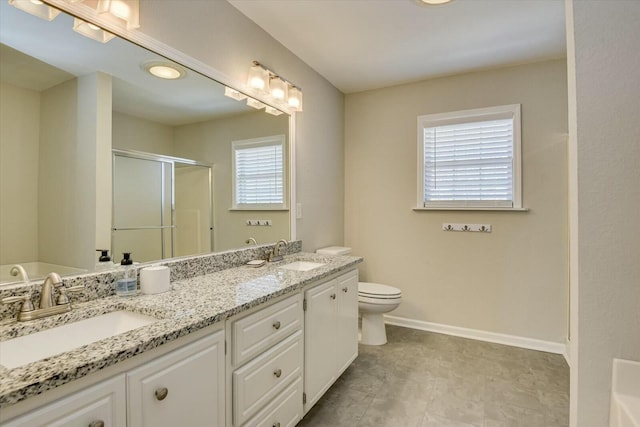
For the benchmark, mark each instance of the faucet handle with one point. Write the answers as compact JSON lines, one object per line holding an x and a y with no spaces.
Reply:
{"x":63,"y":298}
{"x":27,"y":304}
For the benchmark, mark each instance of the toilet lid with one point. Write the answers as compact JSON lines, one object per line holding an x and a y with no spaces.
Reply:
{"x":377,"y":290}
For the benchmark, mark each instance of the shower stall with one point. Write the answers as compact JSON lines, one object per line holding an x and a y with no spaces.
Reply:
{"x":162,"y":206}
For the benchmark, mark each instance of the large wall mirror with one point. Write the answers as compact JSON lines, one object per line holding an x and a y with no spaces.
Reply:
{"x":97,"y":153}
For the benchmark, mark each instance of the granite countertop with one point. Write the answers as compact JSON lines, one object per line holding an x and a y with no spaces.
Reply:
{"x":190,"y":305}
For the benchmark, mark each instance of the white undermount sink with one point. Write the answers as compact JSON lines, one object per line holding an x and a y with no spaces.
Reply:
{"x":301,"y":265}
{"x":39,"y":345}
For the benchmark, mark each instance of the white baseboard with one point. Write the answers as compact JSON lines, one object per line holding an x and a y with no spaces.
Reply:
{"x":475,"y":334}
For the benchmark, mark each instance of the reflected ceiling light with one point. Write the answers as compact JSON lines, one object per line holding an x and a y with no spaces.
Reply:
{"x":255,"y":103}
{"x":164,"y":70}
{"x":264,"y":81}
{"x":37,"y":8}
{"x":126,"y":10}
{"x":232,"y":93}
{"x":433,"y":2}
{"x":272,"y":111}
{"x":92,"y":31}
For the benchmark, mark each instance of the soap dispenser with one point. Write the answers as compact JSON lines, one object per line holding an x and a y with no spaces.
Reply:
{"x":127,"y":283}
{"x":104,"y":262}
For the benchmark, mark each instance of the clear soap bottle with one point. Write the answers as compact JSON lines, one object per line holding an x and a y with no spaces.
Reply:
{"x":127,"y":283}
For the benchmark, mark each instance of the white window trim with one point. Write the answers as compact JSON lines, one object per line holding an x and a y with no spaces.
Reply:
{"x":491,"y":113}
{"x":259,"y":142}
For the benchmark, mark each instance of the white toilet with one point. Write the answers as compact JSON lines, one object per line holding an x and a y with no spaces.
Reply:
{"x":374,"y":300}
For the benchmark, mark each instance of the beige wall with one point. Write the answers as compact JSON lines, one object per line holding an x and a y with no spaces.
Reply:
{"x":210,"y":142}
{"x":134,"y":133}
{"x":603,"y":45}
{"x":223,"y":38}
{"x":19,"y":143}
{"x":512,"y":281}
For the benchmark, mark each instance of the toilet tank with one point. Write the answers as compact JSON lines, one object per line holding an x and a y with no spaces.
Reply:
{"x":334,"y":250}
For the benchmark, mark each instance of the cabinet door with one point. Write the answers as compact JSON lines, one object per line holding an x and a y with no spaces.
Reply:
{"x":182,"y":388}
{"x":104,"y":402}
{"x":319,"y":344}
{"x":347,"y":320}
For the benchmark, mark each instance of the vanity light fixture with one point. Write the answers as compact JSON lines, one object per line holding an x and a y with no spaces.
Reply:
{"x":164,"y":70}
{"x":125,"y":10}
{"x":37,"y":8}
{"x":232,"y":93}
{"x":274,"y":87}
{"x":92,"y":31}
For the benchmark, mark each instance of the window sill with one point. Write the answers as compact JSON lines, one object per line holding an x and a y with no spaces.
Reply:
{"x":473,"y":209}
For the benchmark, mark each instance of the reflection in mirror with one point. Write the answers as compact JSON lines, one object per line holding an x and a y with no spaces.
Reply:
{"x":66,"y":103}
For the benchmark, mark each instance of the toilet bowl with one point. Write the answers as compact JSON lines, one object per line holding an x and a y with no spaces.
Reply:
{"x":374,"y":299}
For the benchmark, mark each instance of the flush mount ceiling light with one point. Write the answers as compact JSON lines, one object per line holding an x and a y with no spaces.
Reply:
{"x":37,"y":8}
{"x":263,"y":81}
{"x":92,"y":31}
{"x":164,"y":70}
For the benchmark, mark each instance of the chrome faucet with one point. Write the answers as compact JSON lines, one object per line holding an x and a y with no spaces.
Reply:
{"x":275,"y":256}
{"x":48,"y":305}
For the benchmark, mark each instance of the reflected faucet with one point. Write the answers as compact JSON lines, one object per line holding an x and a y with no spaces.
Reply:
{"x":251,"y":240}
{"x":18,"y":269}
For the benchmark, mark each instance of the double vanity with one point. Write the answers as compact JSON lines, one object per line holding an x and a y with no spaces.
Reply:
{"x":240,"y":346}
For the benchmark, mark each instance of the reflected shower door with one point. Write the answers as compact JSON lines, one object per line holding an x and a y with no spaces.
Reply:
{"x":193,"y":228}
{"x":142,"y":208}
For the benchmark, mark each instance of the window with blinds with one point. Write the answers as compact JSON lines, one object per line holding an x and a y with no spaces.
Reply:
{"x":470,"y":159}
{"x":258,"y":172}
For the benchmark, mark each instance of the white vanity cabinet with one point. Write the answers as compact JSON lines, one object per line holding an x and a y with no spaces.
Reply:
{"x":331,"y":333}
{"x":101,"y":405}
{"x":182,"y":388}
{"x":266,"y":364}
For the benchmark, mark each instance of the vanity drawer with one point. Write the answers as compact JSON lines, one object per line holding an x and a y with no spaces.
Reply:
{"x":259,"y":381}
{"x":259,"y":331}
{"x":284,"y":411}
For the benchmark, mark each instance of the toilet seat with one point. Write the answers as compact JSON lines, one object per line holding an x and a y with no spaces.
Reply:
{"x":378,"y":291}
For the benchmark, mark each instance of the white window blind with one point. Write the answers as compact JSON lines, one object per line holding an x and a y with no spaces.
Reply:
{"x":470,"y":161}
{"x":259,"y":173}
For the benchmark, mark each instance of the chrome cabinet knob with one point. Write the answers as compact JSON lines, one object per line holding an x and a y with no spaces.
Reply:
{"x":276,"y":325}
{"x":98,"y":423}
{"x":333,"y":296}
{"x":161,"y":393}
{"x":276,"y":424}
{"x":345,"y":289}
{"x":277,"y":373}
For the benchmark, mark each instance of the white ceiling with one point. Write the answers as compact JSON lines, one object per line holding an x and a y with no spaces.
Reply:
{"x":366,"y":44}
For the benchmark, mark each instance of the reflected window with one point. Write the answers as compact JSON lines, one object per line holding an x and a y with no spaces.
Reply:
{"x":258,"y":173}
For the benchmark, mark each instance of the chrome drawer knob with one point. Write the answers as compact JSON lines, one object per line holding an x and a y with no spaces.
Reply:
{"x":98,"y":423}
{"x":345,"y":289}
{"x":276,"y":325}
{"x":161,"y":393}
{"x":277,"y":373}
{"x":333,"y":296}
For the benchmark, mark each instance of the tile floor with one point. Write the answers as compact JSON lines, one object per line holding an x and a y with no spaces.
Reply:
{"x":424,"y":379}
